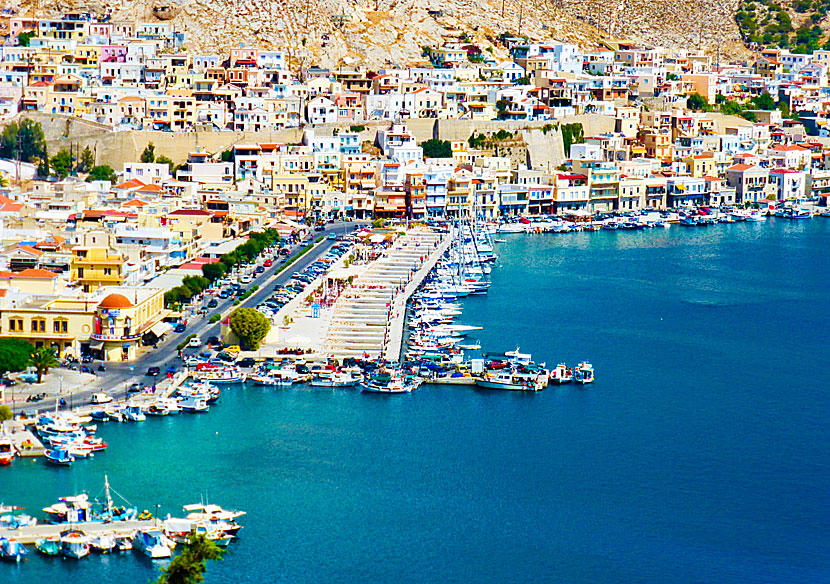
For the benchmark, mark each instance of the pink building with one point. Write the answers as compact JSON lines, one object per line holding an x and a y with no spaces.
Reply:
{"x":113,"y":54}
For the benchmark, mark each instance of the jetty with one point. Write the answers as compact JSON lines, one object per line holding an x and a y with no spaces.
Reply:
{"x":31,"y":533}
{"x":368,"y":318}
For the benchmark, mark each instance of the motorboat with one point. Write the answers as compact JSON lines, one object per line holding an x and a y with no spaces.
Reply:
{"x":74,"y":509}
{"x":194,"y":404}
{"x":180,"y":529}
{"x":7,"y":450}
{"x":561,"y":374}
{"x":103,"y":543}
{"x":163,"y":407}
{"x":584,"y":373}
{"x":512,"y":380}
{"x":75,"y":544}
{"x":12,"y":550}
{"x":133,"y":413}
{"x":59,"y":457}
{"x":153,"y":543}
{"x":49,"y":546}
{"x":123,"y":543}
{"x":386,"y":383}
{"x":337,"y":379}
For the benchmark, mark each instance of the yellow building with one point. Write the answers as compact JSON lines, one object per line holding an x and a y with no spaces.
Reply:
{"x":120,"y":322}
{"x":94,"y":267}
{"x":107,"y":326}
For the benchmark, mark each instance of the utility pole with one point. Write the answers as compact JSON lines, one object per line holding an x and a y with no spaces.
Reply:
{"x":520,"y":19}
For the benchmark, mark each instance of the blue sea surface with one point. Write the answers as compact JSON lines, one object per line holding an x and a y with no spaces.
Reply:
{"x":701,"y":453}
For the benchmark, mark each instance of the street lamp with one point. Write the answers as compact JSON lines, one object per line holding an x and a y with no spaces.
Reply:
{"x":60,"y":387}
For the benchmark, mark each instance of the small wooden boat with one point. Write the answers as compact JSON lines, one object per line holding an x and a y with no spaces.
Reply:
{"x":49,"y":546}
{"x":59,"y":457}
{"x":12,"y":550}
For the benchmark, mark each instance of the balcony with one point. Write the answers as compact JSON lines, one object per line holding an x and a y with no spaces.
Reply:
{"x":115,"y":338}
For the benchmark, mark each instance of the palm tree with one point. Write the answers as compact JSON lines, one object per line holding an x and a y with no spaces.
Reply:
{"x":42,"y":359}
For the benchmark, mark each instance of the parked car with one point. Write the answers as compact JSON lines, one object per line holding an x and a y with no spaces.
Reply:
{"x":259,"y":270}
{"x":195,"y":342}
{"x":136,"y":387}
{"x":246,"y":362}
{"x":268,"y":263}
{"x":180,"y":328}
{"x":224,"y":294}
{"x":214,"y":340}
{"x":213,"y":303}
{"x":153,"y":371}
{"x":101,"y":398}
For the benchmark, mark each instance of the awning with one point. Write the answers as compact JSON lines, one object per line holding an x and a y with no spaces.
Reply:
{"x":96,"y":345}
{"x":160,"y":328}
{"x":377,"y":238}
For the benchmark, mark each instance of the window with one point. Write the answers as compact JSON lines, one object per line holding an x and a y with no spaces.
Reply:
{"x":60,"y":326}
{"x":38,"y":325}
{"x":16,"y":324}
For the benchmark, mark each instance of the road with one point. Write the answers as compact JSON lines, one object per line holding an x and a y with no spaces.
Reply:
{"x":119,"y":376}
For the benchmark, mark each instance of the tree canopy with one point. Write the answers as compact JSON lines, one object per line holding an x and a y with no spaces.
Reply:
{"x":434,"y":148}
{"x":250,"y":326}
{"x":149,"y":154}
{"x":26,"y":138}
{"x":42,"y":359}
{"x":101,"y":172}
{"x":191,"y":565}
{"x":697,"y":103}
{"x":62,"y":163}
{"x":14,"y":354}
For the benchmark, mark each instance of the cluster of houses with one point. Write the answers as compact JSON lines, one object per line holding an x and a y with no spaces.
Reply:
{"x":84,"y":265}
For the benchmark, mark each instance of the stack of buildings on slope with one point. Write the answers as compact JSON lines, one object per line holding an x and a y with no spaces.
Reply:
{"x":85,"y":264}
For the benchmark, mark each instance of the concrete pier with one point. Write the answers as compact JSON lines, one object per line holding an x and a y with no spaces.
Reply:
{"x":30,"y":534}
{"x":368,"y":318}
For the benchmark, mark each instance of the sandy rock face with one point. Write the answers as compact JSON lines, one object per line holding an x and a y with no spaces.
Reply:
{"x":380,"y":33}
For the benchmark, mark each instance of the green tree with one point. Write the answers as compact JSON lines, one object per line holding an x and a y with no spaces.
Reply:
{"x":226,"y":156}
{"x":195,"y":283}
{"x":24,"y":38}
{"x":32,"y":141}
{"x":191,"y":565}
{"x":42,"y":358}
{"x":697,"y":102}
{"x":731,"y":108}
{"x":25,"y":139}
{"x":164,"y":160}
{"x":214,"y":271}
{"x":764,"y":102}
{"x":250,"y":326}
{"x":62,"y":163}
{"x":101,"y":172}
{"x":14,"y":354}
{"x":5,"y":413}
{"x":87,"y":160}
{"x":434,"y":148}
{"x":149,"y":154}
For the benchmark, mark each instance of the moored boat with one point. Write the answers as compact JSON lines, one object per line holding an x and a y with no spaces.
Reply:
{"x":561,"y":374}
{"x":7,"y":450}
{"x":49,"y":546}
{"x":584,"y":373}
{"x":12,"y":550}
{"x":153,"y":543}
{"x":75,"y":544}
{"x":59,"y":457}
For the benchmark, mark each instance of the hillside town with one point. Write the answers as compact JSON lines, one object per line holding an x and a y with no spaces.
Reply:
{"x":555,"y":130}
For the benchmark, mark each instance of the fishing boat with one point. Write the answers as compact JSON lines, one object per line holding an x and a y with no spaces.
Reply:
{"x":194,"y":404}
{"x":75,"y":544}
{"x":133,"y":413}
{"x":584,"y":373}
{"x":123,"y":543}
{"x":153,"y":543}
{"x":103,"y":543}
{"x":511,"y":380}
{"x":212,"y":373}
{"x":59,"y":457}
{"x":337,"y":379}
{"x":7,"y":450}
{"x":180,"y":529}
{"x":49,"y":546}
{"x":12,"y":550}
{"x":561,"y":374}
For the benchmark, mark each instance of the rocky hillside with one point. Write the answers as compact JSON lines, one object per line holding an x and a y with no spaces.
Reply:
{"x":384,"y":32}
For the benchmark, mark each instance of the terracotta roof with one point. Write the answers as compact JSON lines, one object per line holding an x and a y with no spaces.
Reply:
{"x":149,"y":189}
{"x":135,"y":203}
{"x":36,"y":273}
{"x":130,"y":184}
{"x":115,"y":301}
{"x":740,"y":167}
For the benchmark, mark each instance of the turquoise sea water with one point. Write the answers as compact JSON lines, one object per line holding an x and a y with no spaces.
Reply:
{"x":701,"y":454}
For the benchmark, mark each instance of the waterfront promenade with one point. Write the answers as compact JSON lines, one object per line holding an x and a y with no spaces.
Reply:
{"x":368,"y":318}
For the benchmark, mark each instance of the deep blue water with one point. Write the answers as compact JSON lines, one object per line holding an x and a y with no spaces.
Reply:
{"x":701,"y":454}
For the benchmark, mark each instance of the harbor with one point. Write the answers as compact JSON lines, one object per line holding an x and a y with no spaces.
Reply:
{"x":305,"y":440}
